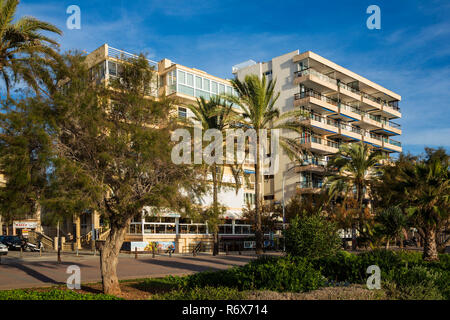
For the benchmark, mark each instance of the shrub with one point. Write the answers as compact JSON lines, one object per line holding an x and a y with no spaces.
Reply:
{"x":416,"y":283}
{"x":206,"y":293}
{"x":270,"y":273}
{"x":312,"y":237}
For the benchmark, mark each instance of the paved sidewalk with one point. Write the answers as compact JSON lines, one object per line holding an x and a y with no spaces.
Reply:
{"x":33,"y":270}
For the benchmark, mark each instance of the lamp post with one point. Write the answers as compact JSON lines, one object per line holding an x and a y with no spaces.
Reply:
{"x":284,"y":217}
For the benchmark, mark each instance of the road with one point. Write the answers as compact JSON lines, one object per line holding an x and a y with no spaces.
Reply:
{"x":32,"y":270}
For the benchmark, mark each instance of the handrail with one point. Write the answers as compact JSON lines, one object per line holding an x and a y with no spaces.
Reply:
{"x":120,"y":55}
{"x":345,"y":86}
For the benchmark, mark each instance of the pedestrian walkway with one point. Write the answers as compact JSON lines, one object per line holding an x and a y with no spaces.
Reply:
{"x":41,"y":271}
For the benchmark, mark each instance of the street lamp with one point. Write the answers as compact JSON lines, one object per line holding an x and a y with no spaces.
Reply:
{"x":284,"y":217}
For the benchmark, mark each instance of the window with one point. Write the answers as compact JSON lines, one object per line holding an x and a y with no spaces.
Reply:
{"x":268,"y":73}
{"x":189,"y":79}
{"x":185,"y":89}
{"x":229,"y":90}
{"x":249,"y":198}
{"x":182,"y":113}
{"x":112,"y":66}
{"x":221,"y":88}
{"x":198,"y":82}
{"x":206,"y":84}
{"x":214,"y":87}
{"x":181,"y":77}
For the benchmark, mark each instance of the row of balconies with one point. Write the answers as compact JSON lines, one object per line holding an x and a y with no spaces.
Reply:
{"x":323,"y":83}
{"x":330,"y":106}
{"x":322,"y":145}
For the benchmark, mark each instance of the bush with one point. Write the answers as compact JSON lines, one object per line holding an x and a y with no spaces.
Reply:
{"x":312,"y":237}
{"x":268,"y":273}
{"x":416,"y":283}
{"x":206,"y":293}
{"x":54,"y":294}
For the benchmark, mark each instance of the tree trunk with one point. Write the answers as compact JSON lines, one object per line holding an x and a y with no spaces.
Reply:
{"x":216,"y":244}
{"x":258,"y":232}
{"x":387,"y":243}
{"x":109,"y":258}
{"x":429,"y":248}
{"x":215,"y":208}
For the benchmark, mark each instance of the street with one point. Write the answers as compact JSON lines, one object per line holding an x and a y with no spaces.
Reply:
{"x":33,"y":270}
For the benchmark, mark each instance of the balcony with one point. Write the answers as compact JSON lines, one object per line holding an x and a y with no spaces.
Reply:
{"x":373,"y":139}
{"x":392,"y":110}
{"x":321,"y":124}
{"x":315,"y":80}
{"x":317,"y":101}
{"x":348,"y":111}
{"x":349,"y":92}
{"x":319,"y":144}
{"x":392,"y":145}
{"x":390,"y":128}
{"x":309,"y":186}
{"x":350,"y":131}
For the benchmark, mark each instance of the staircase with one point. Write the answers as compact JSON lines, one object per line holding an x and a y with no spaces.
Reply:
{"x":47,"y":242}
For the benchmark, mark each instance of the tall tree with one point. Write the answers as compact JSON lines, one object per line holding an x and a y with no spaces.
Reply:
{"x":25,"y":155}
{"x":356,"y":168}
{"x":24,"y":49}
{"x":219,"y":115}
{"x":426,"y":188}
{"x":121,"y":139}
{"x":257,"y":98}
{"x":392,"y":223}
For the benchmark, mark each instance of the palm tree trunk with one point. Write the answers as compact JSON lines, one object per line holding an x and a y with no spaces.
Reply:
{"x":216,"y":209}
{"x":429,"y":248}
{"x":258,"y":231}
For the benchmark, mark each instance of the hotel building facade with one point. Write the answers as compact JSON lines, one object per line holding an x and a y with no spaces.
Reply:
{"x":342,"y":107}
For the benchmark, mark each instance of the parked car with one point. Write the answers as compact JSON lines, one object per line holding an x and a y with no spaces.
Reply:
{"x":3,"y":250}
{"x":16,"y":243}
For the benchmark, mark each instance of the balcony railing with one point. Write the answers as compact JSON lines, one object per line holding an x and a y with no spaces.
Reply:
{"x":393,"y":142}
{"x":311,"y":71}
{"x":123,"y":55}
{"x":319,"y":140}
{"x":315,"y":94}
{"x":310,"y":184}
{"x":315,"y":73}
{"x":319,"y":118}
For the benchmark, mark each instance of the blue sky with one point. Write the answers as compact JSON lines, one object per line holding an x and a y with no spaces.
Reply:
{"x":410,"y":54}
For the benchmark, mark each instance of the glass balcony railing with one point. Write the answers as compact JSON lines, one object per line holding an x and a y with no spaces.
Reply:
{"x":310,"y":184}
{"x":319,"y":140}
{"x":315,"y":73}
{"x":319,"y":118}
{"x":393,"y":142}
{"x":310,"y":71}
{"x":315,"y":94}
{"x":349,"y":108}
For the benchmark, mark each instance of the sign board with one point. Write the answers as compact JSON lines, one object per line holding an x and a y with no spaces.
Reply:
{"x":24,"y":225}
{"x":147,"y":246}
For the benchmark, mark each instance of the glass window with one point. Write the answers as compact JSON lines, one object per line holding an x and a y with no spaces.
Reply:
{"x":201,"y":93}
{"x":206,"y":84}
{"x":112,"y":66}
{"x":198,"y":82}
{"x":182,"y":114}
{"x":181,"y":77}
{"x":186,"y":90}
{"x":214,"y":87}
{"x":221,"y":89}
{"x":229,"y":90}
{"x":190,"y":80}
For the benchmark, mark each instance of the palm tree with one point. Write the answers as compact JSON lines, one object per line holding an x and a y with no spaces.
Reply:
{"x":356,"y":169}
{"x":426,"y":190}
{"x":393,"y":222}
{"x":24,"y":49}
{"x":256,"y":97}
{"x":214,"y":114}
